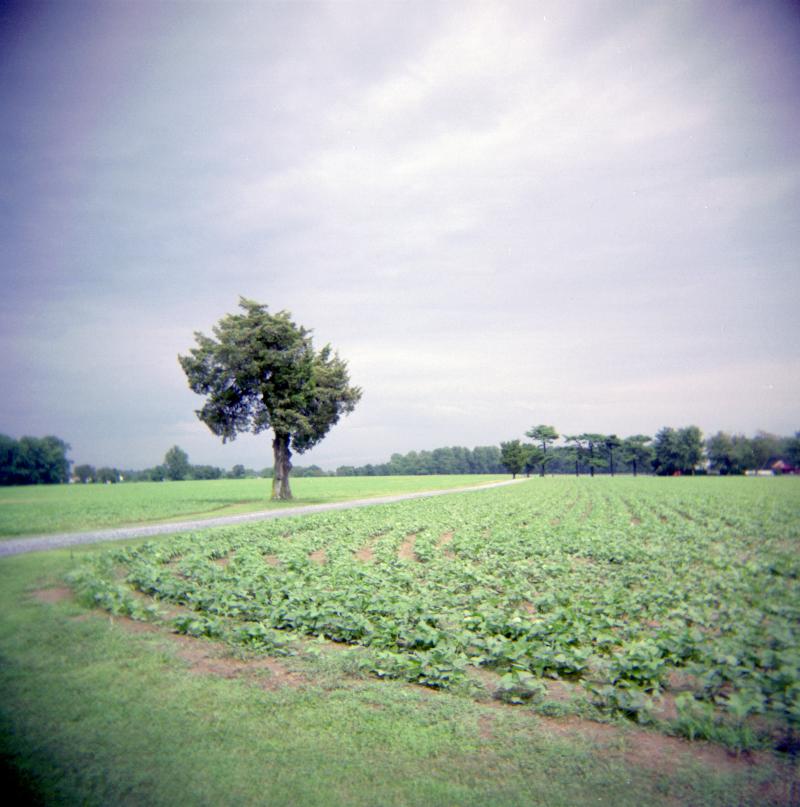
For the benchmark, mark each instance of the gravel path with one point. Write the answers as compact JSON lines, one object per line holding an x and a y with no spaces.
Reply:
{"x":41,"y":543}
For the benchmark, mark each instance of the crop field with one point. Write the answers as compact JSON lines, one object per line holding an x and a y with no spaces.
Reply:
{"x":671,"y":602}
{"x":34,"y":510}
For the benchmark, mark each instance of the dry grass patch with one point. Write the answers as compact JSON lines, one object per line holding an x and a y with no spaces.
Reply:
{"x":52,"y":595}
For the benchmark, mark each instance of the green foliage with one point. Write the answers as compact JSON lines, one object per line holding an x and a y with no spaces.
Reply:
{"x":638,"y":453}
{"x":260,"y":372}
{"x":513,"y":456}
{"x":176,"y":464}
{"x":678,"y":451}
{"x":610,"y":445}
{"x":93,"y":713}
{"x":519,"y":686}
{"x":107,"y":475}
{"x":636,"y":589}
{"x":592,"y":445}
{"x":445,"y":460}
{"x":33,"y":461}
{"x":544,"y":436}
{"x":84,"y":473}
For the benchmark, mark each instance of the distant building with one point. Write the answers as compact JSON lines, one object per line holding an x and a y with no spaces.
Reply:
{"x":782,"y":467}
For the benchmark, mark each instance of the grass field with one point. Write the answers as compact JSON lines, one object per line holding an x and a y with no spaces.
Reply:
{"x":569,"y":636}
{"x":35,"y":510}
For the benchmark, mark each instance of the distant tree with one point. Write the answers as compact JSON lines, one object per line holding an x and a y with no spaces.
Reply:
{"x":34,"y":461}
{"x":743,"y":456}
{"x":262,"y":372}
{"x":84,"y":473}
{"x":720,"y":451}
{"x":424,"y":463}
{"x":637,"y":452}
{"x":678,"y":451}
{"x":765,"y":447}
{"x":667,"y":459}
{"x":513,"y":456}
{"x":593,"y":447}
{"x":237,"y":472}
{"x":486,"y":460}
{"x":577,"y":447}
{"x":206,"y":472}
{"x":730,"y":454}
{"x":793,"y":450}
{"x":534,"y":456}
{"x":8,"y":460}
{"x":611,"y":444}
{"x":108,"y":476}
{"x":397,"y":465}
{"x":157,"y":474}
{"x":691,"y":443}
{"x":309,"y":471}
{"x":544,"y":436}
{"x":176,"y":464}
{"x":445,"y":461}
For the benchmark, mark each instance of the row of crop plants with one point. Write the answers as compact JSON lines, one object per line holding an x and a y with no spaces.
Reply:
{"x":636,"y":593}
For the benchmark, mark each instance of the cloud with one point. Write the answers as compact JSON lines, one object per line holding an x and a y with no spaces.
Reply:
{"x":496,"y":212}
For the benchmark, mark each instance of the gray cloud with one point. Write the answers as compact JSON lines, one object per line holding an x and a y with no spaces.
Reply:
{"x":499,"y":213}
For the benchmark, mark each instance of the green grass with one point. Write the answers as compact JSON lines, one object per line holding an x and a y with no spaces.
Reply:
{"x":94,"y":714}
{"x":35,"y":510}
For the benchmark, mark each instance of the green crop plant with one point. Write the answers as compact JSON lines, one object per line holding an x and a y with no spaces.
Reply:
{"x":634,"y":588}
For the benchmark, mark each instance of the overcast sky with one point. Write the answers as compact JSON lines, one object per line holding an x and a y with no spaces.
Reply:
{"x":585,"y":214}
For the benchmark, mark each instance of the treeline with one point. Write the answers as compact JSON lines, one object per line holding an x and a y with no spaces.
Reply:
{"x":33,"y":460}
{"x":176,"y":467}
{"x":43,"y":460}
{"x":670,"y":452}
{"x":451,"y":460}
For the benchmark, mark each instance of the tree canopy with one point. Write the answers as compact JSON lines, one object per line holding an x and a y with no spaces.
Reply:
{"x":545,"y":436}
{"x":678,"y":451}
{"x":260,"y":372}
{"x":513,"y":455}
{"x":33,"y":460}
{"x":176,"y":464}
{"x":637,"y":452}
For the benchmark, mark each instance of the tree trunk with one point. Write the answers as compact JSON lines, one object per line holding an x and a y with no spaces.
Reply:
{"x":280,"y":475}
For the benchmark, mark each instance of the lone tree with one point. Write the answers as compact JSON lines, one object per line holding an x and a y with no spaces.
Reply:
{"x":176,"y":464}
{"x":262,"y":372}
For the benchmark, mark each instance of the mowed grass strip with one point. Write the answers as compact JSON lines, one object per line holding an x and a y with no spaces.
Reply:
{"x":42,"y":509}
{"x":94,"y":713}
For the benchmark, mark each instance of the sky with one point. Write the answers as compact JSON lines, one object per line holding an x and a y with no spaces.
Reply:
{"x":500,"y":214}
